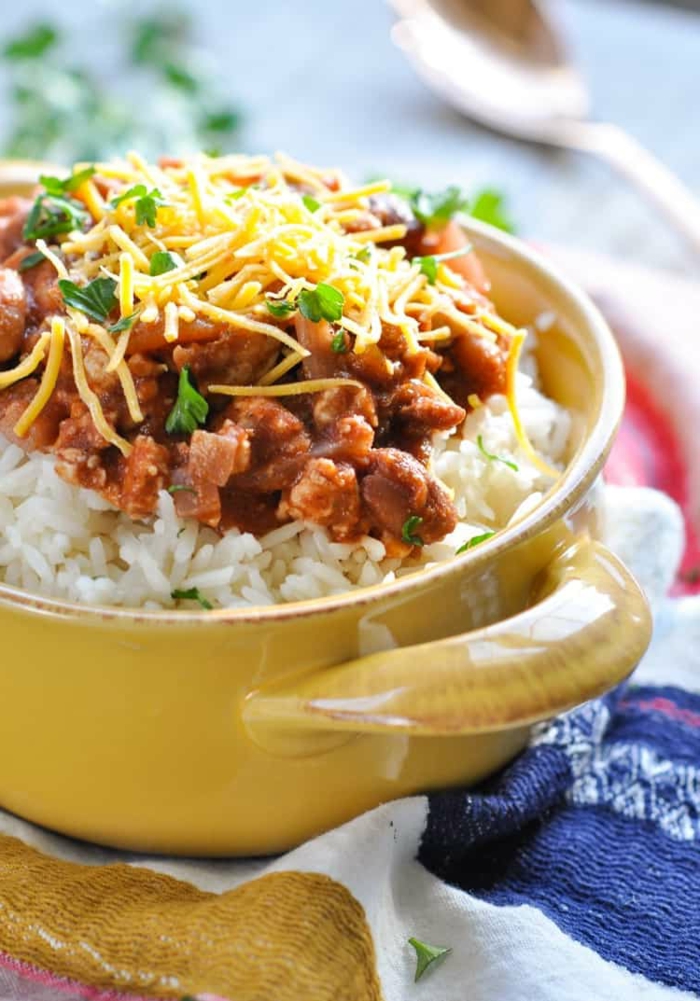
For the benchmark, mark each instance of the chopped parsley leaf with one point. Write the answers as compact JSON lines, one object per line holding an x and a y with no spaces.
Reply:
{"x":408,"y":532}
{"x":310,"y":203}
{"x":436,"y":210}
{"x":162,"y":262}
{"x":338,"y":343}
{"x":364,"y":254}
{"x":489,"y":206}
{"x":235,"y":195}
{"x":190,"y":410}
{"x":31,"y":261}
{"x":179,"y":488}
{"x":474,"y":541}
{"x":192,"y":594}
{"x":494,"y":458}
{"x":146,"y":205}
{"x":322,"y":303}
{"x":426,"y":955}
{"x":429,"y":264}
{"x":97,"y":299}
{"x":56,"y":186}
{"x":125,"y":322}
{"x":32,"y":44}
{"x":281,"y":307}
{"x":51,"y":215}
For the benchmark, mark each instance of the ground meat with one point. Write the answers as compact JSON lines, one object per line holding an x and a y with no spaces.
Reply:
{"x":13,"y":313}
{"x":236,"y":359}
{"x":147,"y":472}
{"x":13,"y":215}
{"x":279,"y":444}
{"x":396,"y":488}
{"x":326,"y":493}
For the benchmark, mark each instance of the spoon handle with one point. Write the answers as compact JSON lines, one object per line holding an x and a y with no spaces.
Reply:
{"x":643,"y":169}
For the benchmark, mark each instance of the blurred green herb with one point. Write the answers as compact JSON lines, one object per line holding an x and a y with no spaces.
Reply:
{"x":489,"y":205}
{"x":65,"y":111}
{"x":192,"y":594}
{"x":436,"y":210}
{"x":408,"y":531}
{"x":494,"y":458}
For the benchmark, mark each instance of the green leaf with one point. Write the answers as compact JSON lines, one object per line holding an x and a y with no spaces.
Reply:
{"x":310,"y":203}
{"x":224,"y":120}
{"x":364,"y":254}
{"x":436,"y":210}
{"x":163,"y":261}
{"x":235,"y":195}
{"x":490,"y":206}
{"x":96,"y":299}
{"x":51,"y":215}
{"x":494,"y":458}
{"x":180,"y":77}
{"x":56,"y":186}
{"x":408,"y":532}
{"x":137,"y":191}
{"x":31,"y":261}
{"x":192,"y":594}
{"x":281,"y":307}
{"x":179,"y":488}
{"x":190,"y":410}
{"x":322,"y":303}
{"x":338,"y":343}
{"x":125,"y":323}
{"x":474,"y":541}
{"x":426,"y":955}
{"x":33,"y":43}
{"x":428,"y":265}
{"x":146,"y":206}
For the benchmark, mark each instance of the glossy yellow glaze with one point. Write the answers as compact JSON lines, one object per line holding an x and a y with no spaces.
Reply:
{"x":246,"y":732}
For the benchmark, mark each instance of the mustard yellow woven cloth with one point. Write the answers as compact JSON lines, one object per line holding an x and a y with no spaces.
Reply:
{"x":285,"y":936}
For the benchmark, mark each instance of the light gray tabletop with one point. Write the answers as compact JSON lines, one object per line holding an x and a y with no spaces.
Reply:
{"x":323,"y":81}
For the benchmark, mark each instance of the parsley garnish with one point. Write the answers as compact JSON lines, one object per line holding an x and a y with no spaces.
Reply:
{"x":311,"y":204}
{"x":190,"y":410}
{"x":146,"y":206}
{"x":178,"y":488}
{"x":32,"y":44}
{"x":192,"y":594}
{"x":56,"y":186}
{"x":494,"y":458}
{"x":489,"y":206}
{"x":474,"y":541}
{"x":281,"y":307}
{"x":426,"y":955}
{"x":235,"y":195}
{"x":409,"y":528}
{"x":163,"y":261}
{"x":364,"y":254}
{"x":322,"y":303}
{"x":31,"y":261}
{"x":429,"y":265}
{"x":97,"y":299}
{"x":125,"y":323}
{"x":435,"y":211}
{"x":53,"y":214}
{"x":338,"y":343}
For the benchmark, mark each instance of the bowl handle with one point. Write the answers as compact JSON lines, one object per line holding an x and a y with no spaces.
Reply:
{"x":585,"y":631}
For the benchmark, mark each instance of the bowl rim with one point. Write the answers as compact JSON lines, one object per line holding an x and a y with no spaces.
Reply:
{"x":562,"y":495}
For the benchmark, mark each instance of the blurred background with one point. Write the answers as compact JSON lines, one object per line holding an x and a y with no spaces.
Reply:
{"x":324,"y":82}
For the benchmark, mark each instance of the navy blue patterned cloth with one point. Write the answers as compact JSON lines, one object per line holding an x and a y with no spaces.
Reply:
{"x":598,"y":825}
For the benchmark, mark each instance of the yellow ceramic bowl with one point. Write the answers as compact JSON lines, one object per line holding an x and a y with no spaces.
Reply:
{"x":245,"y":732}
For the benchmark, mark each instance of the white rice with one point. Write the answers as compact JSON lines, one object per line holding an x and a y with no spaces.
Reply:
{"x":66,"y":542}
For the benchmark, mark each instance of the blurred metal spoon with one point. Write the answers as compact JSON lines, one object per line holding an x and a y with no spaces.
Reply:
{"x":502,"y":63}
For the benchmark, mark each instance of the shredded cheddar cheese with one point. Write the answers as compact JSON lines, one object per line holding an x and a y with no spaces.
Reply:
{"x":244,"y":239}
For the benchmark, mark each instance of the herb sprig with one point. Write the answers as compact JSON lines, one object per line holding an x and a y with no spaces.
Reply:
{"x":322,"y":303}
{"x":146,"y":203}
{"x":97,"y":299}
{"x":474,"y":541}
{"x":192,"y":594}
{"x":408,"y":531}
{"x":190,"y":410}
{"x":494,"y":458}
